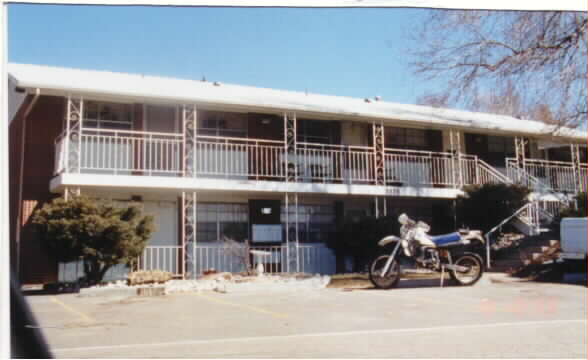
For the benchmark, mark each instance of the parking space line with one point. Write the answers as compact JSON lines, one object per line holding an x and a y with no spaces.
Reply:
{"x":84,"y":317}
{"x":242,"y":306}
{"x":330,"y":334}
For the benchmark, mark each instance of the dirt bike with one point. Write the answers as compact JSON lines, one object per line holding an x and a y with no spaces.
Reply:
{"x":456,"y":253}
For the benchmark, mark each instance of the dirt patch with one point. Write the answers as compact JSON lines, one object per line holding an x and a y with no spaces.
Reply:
{"x":350,"y":281}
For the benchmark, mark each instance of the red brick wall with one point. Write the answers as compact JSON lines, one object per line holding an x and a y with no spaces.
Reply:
{"x":43,"y":125}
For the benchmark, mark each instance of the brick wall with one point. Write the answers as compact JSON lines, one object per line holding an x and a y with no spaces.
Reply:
{"x":43,"y":125}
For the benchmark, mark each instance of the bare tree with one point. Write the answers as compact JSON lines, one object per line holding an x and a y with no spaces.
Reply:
{"x":539,"y":56}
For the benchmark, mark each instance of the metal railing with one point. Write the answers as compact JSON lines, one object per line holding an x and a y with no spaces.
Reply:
{"x":151,"y":153}
{"x":413,"y":167}
{"x":165,"y":257}
{"x":539,"y":174}
{"x":226,"y":157}
{"x":334,"y":163}
{"x":526,"y":210}
{"x":583,"y":177}
{"x":312,"y":258}
{"x":123,"y":151}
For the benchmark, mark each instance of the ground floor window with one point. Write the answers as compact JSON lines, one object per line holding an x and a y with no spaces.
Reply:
{"x":316,"y":223}
{"x":219,"y":221}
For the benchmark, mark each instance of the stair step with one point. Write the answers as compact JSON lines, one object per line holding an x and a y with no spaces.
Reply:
{"x":554,"y":243}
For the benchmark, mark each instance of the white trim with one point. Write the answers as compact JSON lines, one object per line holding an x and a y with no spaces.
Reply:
{"x":162,"y":183}
{"x":160,"y":89}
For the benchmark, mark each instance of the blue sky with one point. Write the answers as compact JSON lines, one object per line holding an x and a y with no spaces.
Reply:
{"x":349,"y":52}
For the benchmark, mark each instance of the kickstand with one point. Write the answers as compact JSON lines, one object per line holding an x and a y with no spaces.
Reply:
{"x":442,"y":274}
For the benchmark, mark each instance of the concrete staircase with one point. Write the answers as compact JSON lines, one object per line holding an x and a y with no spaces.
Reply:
{"x":527,"y":251}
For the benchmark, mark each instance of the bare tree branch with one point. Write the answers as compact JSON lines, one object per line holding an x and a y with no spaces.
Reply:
{"x":541,"y":57}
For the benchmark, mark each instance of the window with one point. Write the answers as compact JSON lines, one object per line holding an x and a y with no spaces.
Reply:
{"x":404,"y":138}
{"x":501,"y":144}
{"x":314,"y":131}
{"x":213,"y":123}
{"x":102,"y":115}
{"x":217,"y":221}
{"x":316,"y":223}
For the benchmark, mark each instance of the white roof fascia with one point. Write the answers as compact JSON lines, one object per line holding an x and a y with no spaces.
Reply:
{"x":103,"y":84}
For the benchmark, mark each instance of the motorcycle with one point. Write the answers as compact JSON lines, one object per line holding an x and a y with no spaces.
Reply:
{"x":456,"y":252}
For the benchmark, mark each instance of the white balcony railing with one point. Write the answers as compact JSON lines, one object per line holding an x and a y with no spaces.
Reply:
{"x":311,"y":258}
{"x":122,"y":151}
{"x":150,"y":153}
{"x":583,"y":176}
{"x":555,"y":175}
{"x":235,"y":158}
{"x":334,"y":163}
{"x":413,"y":167}
{"x":165,"y":258}
{"x":477,"y":172}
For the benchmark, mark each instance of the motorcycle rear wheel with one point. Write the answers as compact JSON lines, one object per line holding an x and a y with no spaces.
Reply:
{"x":475,"y":270}
{"x":392,"y":276}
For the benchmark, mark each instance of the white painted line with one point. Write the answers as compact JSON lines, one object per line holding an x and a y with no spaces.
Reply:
{"x":330,"y":334}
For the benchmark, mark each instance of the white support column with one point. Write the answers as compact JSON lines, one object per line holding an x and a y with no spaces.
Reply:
{"x":378,"y":141}
{"x":290,"y":147}
{"x":575,"y":151}
{"x":520,"y":145}
{"x":73,"y":142}
{"x":71,"y":192}
{"x":455,"y":148}
{"x":189,"y":238}
{"x":380,"y":207}
{"x":292,"y":244}
{"x":190,"y":128}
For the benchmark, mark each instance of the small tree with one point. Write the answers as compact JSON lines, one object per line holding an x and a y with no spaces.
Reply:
{"x":101,"y":234}
{"x":483,"y":207}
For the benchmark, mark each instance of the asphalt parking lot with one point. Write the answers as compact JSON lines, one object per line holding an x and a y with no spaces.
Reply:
{"x":419,"y":319}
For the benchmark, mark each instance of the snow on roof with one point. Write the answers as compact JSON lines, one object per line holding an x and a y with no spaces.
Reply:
{"x":105,"y":83}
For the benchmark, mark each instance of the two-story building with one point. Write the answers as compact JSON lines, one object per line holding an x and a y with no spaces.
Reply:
{"x":213,"y":161}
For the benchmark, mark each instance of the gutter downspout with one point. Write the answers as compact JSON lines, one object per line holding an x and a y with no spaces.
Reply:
{"x":20,"y":177}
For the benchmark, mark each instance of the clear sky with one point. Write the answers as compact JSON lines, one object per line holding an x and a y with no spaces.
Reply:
{"x":349,"y":52}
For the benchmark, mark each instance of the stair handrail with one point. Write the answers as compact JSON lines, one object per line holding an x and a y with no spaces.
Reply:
{"x":510,"y":164}
{"x":497,"y":174}
{"x":502,"y":223}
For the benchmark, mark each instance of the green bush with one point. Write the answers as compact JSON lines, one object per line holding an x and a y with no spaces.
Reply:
{"x":484,"y":206}
{"x":101,"y":234}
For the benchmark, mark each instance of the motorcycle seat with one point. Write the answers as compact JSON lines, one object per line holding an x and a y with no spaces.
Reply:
{"x":446,"y":239}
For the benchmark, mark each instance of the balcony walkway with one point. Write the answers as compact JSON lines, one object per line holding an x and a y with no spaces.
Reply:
{"x":156,"y":160}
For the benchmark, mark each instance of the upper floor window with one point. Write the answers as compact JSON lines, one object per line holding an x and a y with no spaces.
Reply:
{"x":504,"y":146}
{"x":103,"y":115}
{"x":315,"y":131}
{"x":405,"y":138}
{"x":214,"y":123}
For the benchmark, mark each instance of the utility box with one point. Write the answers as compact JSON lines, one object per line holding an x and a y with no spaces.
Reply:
{"x":574,"y":238}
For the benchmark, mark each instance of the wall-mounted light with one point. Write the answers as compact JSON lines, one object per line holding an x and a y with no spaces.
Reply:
{"x":265,"y":121}
{"x":266,"y":211}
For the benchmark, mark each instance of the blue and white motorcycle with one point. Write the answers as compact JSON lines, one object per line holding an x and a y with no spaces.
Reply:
{"x":457,"y":253}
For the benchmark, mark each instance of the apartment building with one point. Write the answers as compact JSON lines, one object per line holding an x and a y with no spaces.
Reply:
{"x":213,"y":161}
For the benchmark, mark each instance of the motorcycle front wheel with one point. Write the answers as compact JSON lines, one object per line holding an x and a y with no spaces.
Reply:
{"x":474,"y":265}
{"x":392,"y":276}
